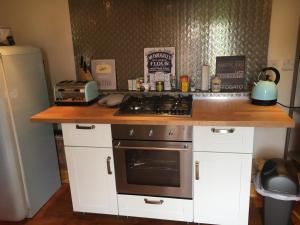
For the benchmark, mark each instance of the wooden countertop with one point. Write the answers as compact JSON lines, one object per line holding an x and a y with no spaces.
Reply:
{"x":208,"y":112}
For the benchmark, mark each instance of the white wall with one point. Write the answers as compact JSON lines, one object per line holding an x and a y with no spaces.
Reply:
{"x":282,"y":50}
{"x":45,"y":24}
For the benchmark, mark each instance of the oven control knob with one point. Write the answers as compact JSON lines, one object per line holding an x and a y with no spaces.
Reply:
{"x":185,"y":146}
{"x":158,"y":110}
{"x":150,"y":133}
{"x":131,"y":132}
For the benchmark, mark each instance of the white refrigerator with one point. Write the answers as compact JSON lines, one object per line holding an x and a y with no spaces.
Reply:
{"x":293,"y":135}
{"x":29,"y":173}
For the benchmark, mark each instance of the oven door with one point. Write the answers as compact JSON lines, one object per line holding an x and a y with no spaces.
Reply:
{"x":156,"y":168}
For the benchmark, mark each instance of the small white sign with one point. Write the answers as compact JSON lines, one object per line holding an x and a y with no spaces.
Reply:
{"x":104,"y":73}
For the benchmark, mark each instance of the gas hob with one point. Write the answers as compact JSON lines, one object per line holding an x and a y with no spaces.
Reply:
{"x":162,"y":105}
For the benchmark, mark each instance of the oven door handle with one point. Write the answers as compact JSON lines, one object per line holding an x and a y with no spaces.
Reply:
{"x":186,"y":147}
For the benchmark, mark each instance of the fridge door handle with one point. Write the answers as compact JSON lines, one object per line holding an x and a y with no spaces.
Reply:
{"x":197,"y":170}
{"x":108,"y":165}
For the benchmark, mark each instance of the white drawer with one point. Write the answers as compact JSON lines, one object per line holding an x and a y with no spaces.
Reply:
{"x":168,"y":208}
{"x":223,"y":139}
{"x":90,"y":135}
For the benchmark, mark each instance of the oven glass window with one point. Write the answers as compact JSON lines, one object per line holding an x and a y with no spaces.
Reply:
{"x":157,"y":168}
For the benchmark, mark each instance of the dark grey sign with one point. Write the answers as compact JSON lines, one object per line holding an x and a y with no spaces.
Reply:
{"x":231,"y":70}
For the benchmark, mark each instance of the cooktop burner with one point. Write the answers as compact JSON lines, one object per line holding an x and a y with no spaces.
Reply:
{"x":163,"y":105}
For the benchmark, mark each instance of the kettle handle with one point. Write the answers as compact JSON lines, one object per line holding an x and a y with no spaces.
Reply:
{"x":275,"y":71}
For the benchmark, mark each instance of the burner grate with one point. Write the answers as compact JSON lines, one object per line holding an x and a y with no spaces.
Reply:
{"x":163,"y":105}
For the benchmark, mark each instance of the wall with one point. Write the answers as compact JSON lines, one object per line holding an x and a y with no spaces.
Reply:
{"x":199,"y":31}
{"x":282,"y":51}
{"x":45,"y":24}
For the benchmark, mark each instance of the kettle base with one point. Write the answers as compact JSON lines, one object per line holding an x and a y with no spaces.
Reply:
{"x":264,"y":102}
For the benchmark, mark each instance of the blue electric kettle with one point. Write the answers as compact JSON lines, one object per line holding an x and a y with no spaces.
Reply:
{"x":265,"y":91}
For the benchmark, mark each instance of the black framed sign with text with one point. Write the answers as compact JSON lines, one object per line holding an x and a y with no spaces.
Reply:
{"x":231,"y":70}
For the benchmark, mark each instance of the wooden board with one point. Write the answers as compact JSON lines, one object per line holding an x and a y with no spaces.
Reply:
{"x":216,"y":112}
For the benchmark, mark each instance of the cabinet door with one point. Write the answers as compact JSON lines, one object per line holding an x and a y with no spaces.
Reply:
{"x":221,"y":188}
{"x":92,"y":183}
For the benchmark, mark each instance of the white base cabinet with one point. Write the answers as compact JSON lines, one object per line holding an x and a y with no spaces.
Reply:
{"x":222,"y":187}
{"x":90,"y":164}
{"x":156,"y":207}
{"x":222,"y":174}
{"x":222,"y":158}
{"x":93,"y":187}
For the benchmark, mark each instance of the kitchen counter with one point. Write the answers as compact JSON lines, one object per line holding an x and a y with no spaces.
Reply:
{"x":206,"y":112}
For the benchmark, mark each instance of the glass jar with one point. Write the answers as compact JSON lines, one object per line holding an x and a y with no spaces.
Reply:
{"x":193,"y":83}
{"x":159,"y":86}
{"x":216,"y":84}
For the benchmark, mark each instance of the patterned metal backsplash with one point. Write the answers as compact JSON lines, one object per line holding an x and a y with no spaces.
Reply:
{"x":200,"y":30}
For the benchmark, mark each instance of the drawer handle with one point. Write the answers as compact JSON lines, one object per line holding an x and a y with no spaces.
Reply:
{"x":222,"y":131}
{"x":152,"y":202}
{"x":197,"y":170}
{"x":85,"y":127}
{"x":108,"y":165}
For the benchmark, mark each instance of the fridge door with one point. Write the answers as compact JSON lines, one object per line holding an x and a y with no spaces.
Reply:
{"x":297,"y":91}
{"x":27,"y":93}
{"x":13,"y":206}
{"x":294,"y":142}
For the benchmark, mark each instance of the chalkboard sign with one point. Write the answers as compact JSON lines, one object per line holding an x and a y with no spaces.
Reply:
{"x":231,"y":70}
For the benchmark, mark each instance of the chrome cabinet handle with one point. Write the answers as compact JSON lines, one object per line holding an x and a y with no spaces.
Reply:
{"x":197,"y":170}
{"x":108,"y":165}
{"x":222,"y":131}
{"x":152,"y":202}
{"x":85,"y":127}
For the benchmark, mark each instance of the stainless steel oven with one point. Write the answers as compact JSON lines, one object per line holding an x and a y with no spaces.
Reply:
{"x":153,"y":160}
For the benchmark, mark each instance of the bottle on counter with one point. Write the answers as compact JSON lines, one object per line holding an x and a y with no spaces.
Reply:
{"x":184,"y":83}
{"x":216,"y":84}
{"x":173,"y":82}
{"x":139,"y":82}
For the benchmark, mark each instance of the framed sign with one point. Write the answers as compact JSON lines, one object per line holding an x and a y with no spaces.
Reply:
{"x":159,"y":65}
{"x":231,"y":70}
{"x":104,"y":73}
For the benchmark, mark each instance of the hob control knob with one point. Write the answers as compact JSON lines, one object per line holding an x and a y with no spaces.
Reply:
{"x":150,"y":133}
{"x":158,"y":111}
{"x":131,"y":132}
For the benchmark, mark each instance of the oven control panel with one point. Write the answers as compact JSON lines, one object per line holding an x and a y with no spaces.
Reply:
{"x":152,"y":132}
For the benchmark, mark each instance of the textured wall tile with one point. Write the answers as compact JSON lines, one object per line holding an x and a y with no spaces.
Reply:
{"x":200,"y":30}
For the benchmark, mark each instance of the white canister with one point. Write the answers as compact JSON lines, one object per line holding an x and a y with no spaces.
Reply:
{"x":205,"y":78}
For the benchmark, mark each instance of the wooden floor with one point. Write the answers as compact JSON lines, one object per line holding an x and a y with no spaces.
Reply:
{"x":58,"y":211}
